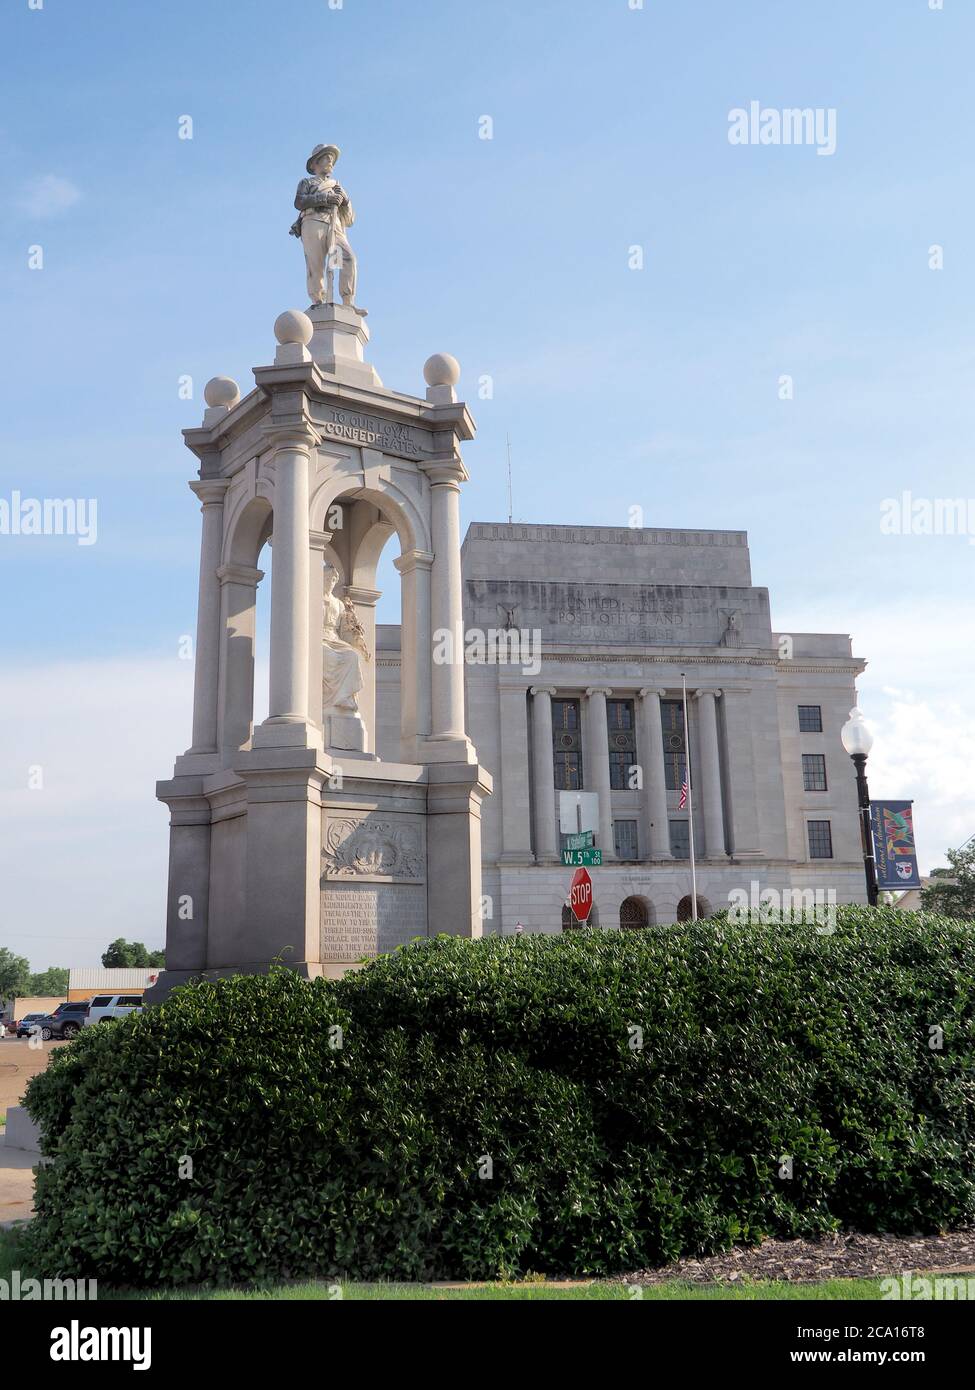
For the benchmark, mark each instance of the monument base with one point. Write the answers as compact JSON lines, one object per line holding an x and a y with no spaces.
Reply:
{"x":284,"y":860}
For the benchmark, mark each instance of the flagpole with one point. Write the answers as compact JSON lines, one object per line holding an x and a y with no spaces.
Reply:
{"x":690,"y":801}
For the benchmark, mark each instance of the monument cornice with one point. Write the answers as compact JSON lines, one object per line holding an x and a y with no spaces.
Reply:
{"x":204,"y":440}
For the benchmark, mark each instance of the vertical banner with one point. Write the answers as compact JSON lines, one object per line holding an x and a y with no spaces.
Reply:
{"x":892,"y":823}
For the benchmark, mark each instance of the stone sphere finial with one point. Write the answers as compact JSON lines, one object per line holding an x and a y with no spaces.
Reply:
{"x":293,"y":327}
{"x":441,"y":370}
{"x":221,"y":390}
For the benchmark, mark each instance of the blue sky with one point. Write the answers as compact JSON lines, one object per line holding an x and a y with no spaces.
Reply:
{"x":619,"y":387}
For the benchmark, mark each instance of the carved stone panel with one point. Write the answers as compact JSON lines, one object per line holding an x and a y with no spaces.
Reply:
{"x":376,"y":847}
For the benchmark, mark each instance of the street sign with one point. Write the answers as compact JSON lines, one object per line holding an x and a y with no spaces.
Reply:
{"x":572,"y":858}
{"x":584,"y":840}
{"x":580,"y":895}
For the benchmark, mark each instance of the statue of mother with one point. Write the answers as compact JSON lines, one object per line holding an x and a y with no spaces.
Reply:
{"x":342,"y":663}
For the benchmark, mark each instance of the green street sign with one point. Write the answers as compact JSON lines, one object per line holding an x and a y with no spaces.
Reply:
{"x":581,"y":841}
{"x":582,"y":858}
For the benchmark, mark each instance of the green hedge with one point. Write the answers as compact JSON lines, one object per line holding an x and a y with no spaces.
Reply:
{"x":487,"y":1114}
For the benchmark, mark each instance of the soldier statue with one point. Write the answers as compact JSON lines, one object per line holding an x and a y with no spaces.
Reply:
{"x":325,"y":213}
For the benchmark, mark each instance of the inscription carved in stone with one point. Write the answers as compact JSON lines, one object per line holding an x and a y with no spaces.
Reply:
{"x":366,"y":919}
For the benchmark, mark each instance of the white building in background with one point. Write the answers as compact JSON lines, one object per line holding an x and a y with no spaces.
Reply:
{"x":603,"y":622}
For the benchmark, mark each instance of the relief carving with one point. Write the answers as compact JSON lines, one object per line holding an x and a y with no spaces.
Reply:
{"x":372,"y":846}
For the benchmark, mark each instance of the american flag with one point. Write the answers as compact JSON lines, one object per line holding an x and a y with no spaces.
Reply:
{"x":683,"y":794}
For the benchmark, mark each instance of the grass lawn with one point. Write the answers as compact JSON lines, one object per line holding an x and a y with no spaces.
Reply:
{"x":323,"y":1291}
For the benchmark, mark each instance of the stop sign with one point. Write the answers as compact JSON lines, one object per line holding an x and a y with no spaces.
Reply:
{"x":580,"y":895}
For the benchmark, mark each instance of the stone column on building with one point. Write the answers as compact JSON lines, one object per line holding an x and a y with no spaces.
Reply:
{"x":206,"y":674}
{"x":543,"y":773}
{"x":599,"y":761}
{"x":710,"y":774}
{"x":235,"y":701}
{"x":513,"y":726}
{"x":416,"y":645}
{"x":288,"y":716}
{"x":650,"y":745}
{"x":742,"y":797}
{"x":446,"y":602}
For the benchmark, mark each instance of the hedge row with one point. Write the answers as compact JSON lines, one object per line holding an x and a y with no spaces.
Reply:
{"x":583,"y":1104}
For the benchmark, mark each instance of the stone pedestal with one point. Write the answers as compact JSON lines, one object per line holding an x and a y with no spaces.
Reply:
{"x":338,"y":342}
{"x":316,"y":869}
{"x":347,"y":732}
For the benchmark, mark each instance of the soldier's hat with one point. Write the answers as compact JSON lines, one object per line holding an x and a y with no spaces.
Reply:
{"x":319,"y":150}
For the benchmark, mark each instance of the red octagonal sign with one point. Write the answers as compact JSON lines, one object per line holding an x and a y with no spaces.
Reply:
{"x":580,"y":895}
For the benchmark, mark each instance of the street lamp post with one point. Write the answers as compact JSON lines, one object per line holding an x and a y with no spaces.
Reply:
{"x":858,"y":740}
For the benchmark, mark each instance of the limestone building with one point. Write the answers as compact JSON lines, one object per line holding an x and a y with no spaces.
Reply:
{"x":576,"y":688}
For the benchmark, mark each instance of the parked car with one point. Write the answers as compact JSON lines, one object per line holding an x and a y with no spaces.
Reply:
{"x":23,"y":1025}
{"x":105,"y":1006}
{"x":66,"y":1021}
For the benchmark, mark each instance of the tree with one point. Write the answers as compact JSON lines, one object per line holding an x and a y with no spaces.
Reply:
{"x":951,"y":893}
{"x":52,"y":981}
{"x":14,"y":974}
{"x":123,"y":954}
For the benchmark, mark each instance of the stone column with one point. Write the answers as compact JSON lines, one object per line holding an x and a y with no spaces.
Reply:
{"x":447,"y":605}
{"x":207,"y":670}
{"x":515,"y":821}
{"x":288,"y":702}
{"x":318,"y":543}
{"x":650,"y":742}
{"x":235,"y":705}
{"x":710,"y":774}
{"x":599,"y":761}
{"x":543,"y":773}
{"x":415,"y":650}
{"x":739,"y":722}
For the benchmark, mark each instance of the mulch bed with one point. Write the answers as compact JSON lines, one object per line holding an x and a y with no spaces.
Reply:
{"x":845,"y":1255}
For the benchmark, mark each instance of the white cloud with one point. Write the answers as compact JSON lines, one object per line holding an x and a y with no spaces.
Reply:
{"x":48,"y":196}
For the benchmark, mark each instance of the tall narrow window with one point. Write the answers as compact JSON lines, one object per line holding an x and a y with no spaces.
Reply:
{"x":675,"y":755}
{"x":567,"y":745}
{"x":680,"y":839}
{"x":624,"y":839}
{"x":814,"y":772}
{"x":622,"y":743}
{"x":820,"y":839}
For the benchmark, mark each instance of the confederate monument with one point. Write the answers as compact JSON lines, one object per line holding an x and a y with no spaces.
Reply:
{"x":290,"y":839}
